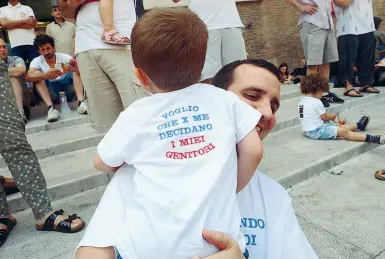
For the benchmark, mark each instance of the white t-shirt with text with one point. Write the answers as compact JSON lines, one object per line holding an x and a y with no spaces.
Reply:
{"x":356,"y":19}
{"x":183,"y":147}
{"x":310,"y":110}
{"x":41,"y":64}
{"x":217,"y":14}
{"x":89,"y":26}
{"x":268,"y":220}
{"x":18,"y":37}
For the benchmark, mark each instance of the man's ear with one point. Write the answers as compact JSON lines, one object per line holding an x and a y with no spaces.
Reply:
{"x":142,"y":77}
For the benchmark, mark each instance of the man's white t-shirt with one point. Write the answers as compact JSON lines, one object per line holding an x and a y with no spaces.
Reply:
{"x":41,"y":64}
{"x":217,"y":14}
{"x":89,"y":26}
{"x":310,"y":110}
{"x":18,"y":37}
{"x":184,"y":153}
{"x":356,"y":19}
{"x":268,"y":219}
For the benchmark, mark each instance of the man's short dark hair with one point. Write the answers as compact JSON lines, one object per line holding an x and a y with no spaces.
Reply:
{"x":377,"y":22}
{"x":225,"y":77}
{"x":54,"y":7}
{"x":43,"y":39}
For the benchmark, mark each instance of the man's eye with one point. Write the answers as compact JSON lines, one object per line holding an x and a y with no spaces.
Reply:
{"x":251,"y":97}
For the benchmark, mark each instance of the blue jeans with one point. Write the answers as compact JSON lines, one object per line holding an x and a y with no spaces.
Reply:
{"x":64,"y":85}
{"x":26,"y":52}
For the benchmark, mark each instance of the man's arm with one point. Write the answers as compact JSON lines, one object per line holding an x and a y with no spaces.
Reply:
{"x":303,"y":8}
{"x":328,"y":116}
{"x":343,"y":3}
{"x":250,"y":153}
{"x":18,"y":24}
{"x":102,"y":167}
{"x":35,"y":74}
{"x":17,"y":71}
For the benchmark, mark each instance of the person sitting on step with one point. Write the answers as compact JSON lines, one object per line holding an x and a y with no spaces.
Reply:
{"x":315,"y":122}
{"x":52,"y":73}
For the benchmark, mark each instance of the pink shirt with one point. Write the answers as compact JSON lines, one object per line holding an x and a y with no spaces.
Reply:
{"x":323,"y":18}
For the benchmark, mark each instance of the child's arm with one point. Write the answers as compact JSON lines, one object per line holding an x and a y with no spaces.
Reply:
{"x":102,"y":167}
{"x":250,"y":152}
{"x":328,"y":116}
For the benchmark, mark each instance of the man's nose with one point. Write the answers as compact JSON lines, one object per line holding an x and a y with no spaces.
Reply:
{"x":266,"y":110}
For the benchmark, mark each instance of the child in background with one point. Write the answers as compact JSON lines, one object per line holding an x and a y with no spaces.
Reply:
{"x":315,"y":122}
{"x":193,"y":145}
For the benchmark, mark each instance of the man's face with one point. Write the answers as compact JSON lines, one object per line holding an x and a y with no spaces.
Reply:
{"x":56,"y":13}
{"x":47,"y":50}
{"x":3,"y":50}
{"x":261,"y":90}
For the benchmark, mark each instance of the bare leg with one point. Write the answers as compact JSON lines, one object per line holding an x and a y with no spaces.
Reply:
{"x":78,"y":86}
{"x":87,"y":252}
{"x":42,"y":89}
{"x":350,"y":135}
{"x":312,"y":70}
{"x":107,"y":14}
{"x":324,"y":70}
{"x":18,"y":91}
{"x":351,"y":127}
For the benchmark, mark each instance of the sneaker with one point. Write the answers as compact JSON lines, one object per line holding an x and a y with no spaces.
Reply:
{"x":382,"y":140}
{"x":53,"y":114}
{"x":325,"y":102}
{"x":333,"y":98}
{"x":21,"y":111}
{"x":82,"y":107}
{"x":363,"y":123}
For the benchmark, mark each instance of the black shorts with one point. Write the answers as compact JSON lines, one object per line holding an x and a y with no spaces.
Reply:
{"x":359,"y":51}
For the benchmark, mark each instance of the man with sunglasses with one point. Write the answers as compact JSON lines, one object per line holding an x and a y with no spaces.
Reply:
{"x":62,"y":31}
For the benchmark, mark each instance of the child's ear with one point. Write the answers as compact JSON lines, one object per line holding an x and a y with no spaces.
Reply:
{"x":142,"y":77}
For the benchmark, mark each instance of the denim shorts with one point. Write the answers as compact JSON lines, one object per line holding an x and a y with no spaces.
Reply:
{"x":326,"y":131}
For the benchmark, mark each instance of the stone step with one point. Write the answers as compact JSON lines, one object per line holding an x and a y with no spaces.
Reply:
{"x":62,"y":140}
{"x":290,"y":157}
{"x":287,"y":115}
{"x":66,"y":174}
{"x":289,"y":91}
{"x":341,"y":210}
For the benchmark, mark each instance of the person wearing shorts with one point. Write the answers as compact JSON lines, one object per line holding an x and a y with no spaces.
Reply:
{"x":356,"y":45}
{"x":317,"y":34}
{"x":226,"y":43}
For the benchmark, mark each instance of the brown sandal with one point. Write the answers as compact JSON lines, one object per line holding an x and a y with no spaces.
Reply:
{"x":113,"y":37}
{"x":372,"y":90}
{"x":380,"y":175}
{"x":63,"y":226}
{"x":9,"y":185}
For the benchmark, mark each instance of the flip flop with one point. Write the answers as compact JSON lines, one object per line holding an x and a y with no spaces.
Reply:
{"x":365,"y":90}
{"x":380,"y":175}
{"x":352,"y":90}
{"x":4,"y":233}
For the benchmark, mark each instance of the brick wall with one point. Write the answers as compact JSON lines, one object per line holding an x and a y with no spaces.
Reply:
{"x":271,"y":30}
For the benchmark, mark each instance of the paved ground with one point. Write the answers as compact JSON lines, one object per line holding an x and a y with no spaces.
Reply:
{"x":342,"y":215}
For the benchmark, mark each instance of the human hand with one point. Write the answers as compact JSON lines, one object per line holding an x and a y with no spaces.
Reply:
{"x":31,"y":21}
{"x":67,"y":68}
{"x":308,"y":9}
{"x":53,"y":73}
{"x":228,"y":247}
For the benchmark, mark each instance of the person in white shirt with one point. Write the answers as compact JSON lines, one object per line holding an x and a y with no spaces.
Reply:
{"x":226,"y":43}
{"x":107,"y":70}
{"x":267,"y":214}
{"x":53,"y":73}
{"x":317,"y":34}
{"x":19,"y":20}
{"x":316,"y":122}
{"x":356,"y":45}
{"x":208,"y":142}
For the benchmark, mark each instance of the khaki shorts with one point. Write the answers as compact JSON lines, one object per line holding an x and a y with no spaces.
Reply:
{"x":319,"y":45}
{"x":108,"y":77}
{"x":224,"y":46}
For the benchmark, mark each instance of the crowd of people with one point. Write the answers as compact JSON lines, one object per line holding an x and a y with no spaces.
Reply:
{"x":171,"y":53}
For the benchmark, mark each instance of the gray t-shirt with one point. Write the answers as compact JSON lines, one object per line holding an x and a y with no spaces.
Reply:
{"x":13,"y":61}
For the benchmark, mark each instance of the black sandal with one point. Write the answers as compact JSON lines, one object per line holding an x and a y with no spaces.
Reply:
{"x":9,"y":185}
{"x":4,"y":233}
{"x":63,"y":226}
{"x":347,"y":93}
{"x":366,"y":88}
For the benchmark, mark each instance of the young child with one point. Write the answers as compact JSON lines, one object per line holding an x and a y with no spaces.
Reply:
{"x":193,"y":145}
{"x":110,"y":34}
{"x":315,"y":122}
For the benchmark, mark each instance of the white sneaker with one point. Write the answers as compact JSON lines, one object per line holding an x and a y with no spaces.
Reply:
{"x":382,"y":140}
{"x":53,"y":114}
{"x":82,"y":107}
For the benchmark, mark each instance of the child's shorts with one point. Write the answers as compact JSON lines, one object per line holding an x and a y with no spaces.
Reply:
{"x":326,"y":131}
